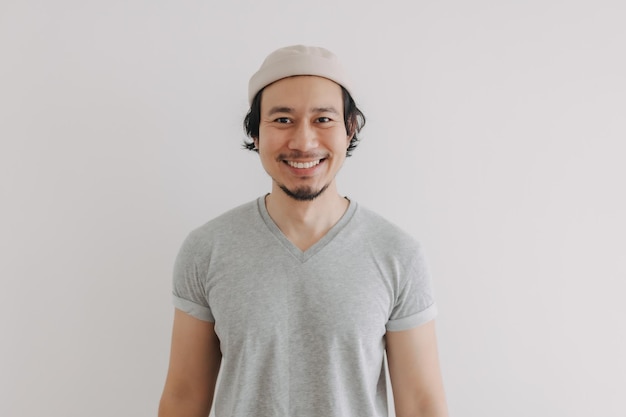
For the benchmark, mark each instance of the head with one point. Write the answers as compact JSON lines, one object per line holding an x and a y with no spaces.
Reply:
{"x":301,"y":60}
{"x":303,"y":121}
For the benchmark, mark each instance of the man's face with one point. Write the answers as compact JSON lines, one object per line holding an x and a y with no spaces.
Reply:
{"x":302,"y":136}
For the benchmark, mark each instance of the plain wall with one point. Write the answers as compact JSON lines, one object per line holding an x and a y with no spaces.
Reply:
{"x":495,"y":135}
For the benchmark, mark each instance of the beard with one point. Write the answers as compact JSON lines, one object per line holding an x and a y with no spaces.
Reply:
{"x":303,"y":193}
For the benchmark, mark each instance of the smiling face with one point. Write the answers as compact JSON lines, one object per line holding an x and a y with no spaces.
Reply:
{"x":302,"y":136}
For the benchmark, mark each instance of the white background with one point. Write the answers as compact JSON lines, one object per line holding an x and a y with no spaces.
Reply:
{"x":495,"y":135}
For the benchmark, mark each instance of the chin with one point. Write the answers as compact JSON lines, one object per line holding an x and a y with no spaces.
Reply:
{"x":303,"y":193}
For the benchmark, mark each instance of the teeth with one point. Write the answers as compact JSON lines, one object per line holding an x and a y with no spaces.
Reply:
{"x":302,"y":165}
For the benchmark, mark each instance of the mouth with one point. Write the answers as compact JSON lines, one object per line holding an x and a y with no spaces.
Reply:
{"x":303,"y":164}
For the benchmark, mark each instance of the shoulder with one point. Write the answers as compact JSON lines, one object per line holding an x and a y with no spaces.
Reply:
{"x":382,"y":230}
{"x":227,"y":226}
{"x":234,"y":218}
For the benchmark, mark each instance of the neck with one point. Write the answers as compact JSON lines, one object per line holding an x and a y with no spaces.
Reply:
{"x":305,"y":222}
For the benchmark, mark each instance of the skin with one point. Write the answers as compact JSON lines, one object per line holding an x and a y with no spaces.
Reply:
{"x":301,"y":122}
{"x":195,"y":359}
{"x":414,"y":372}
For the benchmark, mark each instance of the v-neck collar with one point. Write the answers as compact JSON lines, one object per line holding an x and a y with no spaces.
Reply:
{"x":299,"y":254}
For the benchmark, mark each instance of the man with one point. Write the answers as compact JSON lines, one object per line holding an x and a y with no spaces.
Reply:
{"x":296,"y":296}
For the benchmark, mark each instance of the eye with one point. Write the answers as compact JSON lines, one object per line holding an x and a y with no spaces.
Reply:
{"x":324,"y":119}
{"x":282,"y":120}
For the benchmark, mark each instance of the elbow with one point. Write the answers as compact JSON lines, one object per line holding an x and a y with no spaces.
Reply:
{"x":175,"y":403}
{"x":423,"y":407}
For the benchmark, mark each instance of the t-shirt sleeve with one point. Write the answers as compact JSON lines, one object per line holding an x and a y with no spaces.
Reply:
{"x":415,"y":302}
{"x":189,"y":279}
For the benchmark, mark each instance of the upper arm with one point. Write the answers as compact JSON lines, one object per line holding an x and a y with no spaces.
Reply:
{"x":195,"y":359}
{"x":414,"y":371}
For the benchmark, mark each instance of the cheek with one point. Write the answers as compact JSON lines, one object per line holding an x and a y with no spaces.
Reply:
{"x":266,"y":150}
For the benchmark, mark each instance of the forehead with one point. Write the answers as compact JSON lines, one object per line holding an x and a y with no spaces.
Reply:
{"x":302,"y":91}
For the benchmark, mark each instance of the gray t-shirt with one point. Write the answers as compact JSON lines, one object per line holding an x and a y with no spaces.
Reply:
{"x":302,"y":333}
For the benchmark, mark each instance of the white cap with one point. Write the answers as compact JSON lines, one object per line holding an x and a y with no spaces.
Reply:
{"x":298,"y":60}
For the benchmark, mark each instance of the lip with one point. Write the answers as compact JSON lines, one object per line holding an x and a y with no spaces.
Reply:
{"x":303,"y":164}
{"x":304,"y":171}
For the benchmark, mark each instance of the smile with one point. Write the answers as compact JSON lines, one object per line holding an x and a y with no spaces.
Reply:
{"x":303,"y":165}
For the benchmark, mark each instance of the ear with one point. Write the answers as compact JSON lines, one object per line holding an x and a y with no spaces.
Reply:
{"x":351,"y":128}
{"x":256,"y":143}
{"x":350,"y":135}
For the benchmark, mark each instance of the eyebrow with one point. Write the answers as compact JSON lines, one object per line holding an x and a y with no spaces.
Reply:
{"x":280,"y":109}
{"x":290,"y":110}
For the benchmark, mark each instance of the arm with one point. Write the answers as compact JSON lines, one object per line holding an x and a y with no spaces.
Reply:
{"x":414,"y":372}
{"x":195,"y":359}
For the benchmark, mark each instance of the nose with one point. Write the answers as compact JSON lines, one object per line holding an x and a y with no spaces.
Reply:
{"x":304,"y":137}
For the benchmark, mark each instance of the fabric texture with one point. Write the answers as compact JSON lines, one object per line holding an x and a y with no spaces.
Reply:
{"x":302,"y":332}
{"x":298,"y":60}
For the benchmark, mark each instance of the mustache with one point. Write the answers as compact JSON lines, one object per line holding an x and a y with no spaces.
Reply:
{"x":301,"y":155}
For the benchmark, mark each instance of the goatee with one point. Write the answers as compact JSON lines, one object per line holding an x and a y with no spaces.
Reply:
{"x":303,"y":193}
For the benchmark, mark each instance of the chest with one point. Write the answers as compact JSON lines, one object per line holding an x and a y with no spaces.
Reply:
{"x":287,"y":303}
